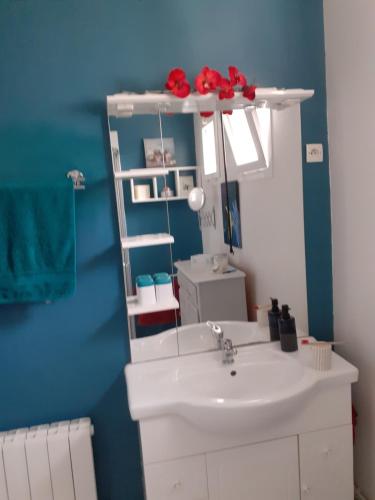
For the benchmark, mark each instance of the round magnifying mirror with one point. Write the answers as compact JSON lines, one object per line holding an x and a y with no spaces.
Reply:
{"x":196,"y":199}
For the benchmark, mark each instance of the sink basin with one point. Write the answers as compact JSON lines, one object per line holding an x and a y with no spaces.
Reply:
{"x":263,"y":385}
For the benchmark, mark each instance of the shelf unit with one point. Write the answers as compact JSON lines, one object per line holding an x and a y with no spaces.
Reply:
{"x":146,"y":240}
{"x":128,"y":104}
{"x":141,"y":173}
{"x":134,"y":308}
{"x":154,"y":173}
{"x":138,"y":241}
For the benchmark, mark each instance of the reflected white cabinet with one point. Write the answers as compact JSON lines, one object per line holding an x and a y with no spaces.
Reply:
{"x":205,"y":295}
{"x":264,"y":471}
{"x":326,"y":464}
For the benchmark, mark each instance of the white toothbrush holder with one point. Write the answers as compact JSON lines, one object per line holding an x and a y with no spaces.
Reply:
{"x":163,"y":287}
{"x":322,"y":356}
{"x":145,"y":290}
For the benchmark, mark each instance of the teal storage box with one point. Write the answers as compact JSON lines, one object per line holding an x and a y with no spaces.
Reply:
{"x":163,"y":287}
{"x":162,"y":279}
{"x":145,"y":289}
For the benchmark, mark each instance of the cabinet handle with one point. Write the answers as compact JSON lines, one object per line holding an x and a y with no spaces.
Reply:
{"x":306,"y":489}
{"x":177,"y":485}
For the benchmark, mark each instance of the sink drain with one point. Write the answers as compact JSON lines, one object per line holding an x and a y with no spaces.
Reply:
{"x":233,"y":373}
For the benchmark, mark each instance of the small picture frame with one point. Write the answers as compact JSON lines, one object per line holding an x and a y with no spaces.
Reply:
{"x":154,"y":152}
{"x":186,"y":184}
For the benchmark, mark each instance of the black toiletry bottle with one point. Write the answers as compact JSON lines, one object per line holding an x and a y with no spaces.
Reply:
{"x":287,"y":330}
{"x":274,"y":315}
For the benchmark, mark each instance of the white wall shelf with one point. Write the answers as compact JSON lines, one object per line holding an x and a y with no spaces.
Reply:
{"x":141,"y":173}
{"x":128,"y":104}
{"x":134,"y":308}
{"x":153,"y":174}
{"x":167,"y":198}
{"x":149,"y":173}
{"x":147,"y":240}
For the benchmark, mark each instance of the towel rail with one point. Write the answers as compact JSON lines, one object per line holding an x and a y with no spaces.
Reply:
{"x":78,"y":179}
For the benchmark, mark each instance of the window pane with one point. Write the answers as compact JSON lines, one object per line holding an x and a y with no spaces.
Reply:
{"x":209,"y":148}
{"x":263,"y":122}
{"x":240,"y":138}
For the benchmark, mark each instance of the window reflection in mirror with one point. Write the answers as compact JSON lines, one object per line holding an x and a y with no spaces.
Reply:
{"x":209,"y":147}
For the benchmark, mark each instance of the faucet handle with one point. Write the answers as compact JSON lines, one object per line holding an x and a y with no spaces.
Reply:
{"x":228,"y":345}
{"x":228,"y":352}
{"x":215,"y":328}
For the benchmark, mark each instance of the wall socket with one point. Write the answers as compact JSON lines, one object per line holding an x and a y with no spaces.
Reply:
{"x":314,"y":153}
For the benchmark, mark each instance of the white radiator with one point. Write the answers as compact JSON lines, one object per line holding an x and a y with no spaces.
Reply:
{"x":48,"y":462}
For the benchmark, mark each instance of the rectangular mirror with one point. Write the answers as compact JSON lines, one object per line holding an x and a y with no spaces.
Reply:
{"x":157,"y":160}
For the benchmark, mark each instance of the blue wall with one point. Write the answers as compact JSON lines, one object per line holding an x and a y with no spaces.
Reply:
{"x":59,"y":59}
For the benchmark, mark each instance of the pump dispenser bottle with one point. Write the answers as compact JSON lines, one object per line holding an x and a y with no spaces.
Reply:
{"x":287,"y":331}
{"x":274,"y":315}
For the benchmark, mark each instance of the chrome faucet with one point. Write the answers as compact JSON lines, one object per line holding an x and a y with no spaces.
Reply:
{"x":224,"y":345}
{"x":229,"y":351}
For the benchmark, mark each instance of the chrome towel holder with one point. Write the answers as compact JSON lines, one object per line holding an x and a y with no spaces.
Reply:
{"x":78,"y":179}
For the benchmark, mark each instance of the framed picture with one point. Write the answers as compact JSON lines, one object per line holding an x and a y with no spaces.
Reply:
{"x":154,"y":152}
{"x":230,"y":202}
{"x":186,"y":184}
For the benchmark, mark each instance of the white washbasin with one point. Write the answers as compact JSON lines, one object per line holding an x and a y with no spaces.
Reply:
{"x":262,"y":385}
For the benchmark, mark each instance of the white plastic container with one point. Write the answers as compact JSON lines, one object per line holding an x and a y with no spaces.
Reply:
{"x":145,"y":289}
{"x":201,"y":262}
{"x":163,"y":287}
{"x":322,"y":356}
{"x":142,"y":192}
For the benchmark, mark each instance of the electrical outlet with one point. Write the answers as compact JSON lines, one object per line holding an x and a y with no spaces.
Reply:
{"x":314,"y":153}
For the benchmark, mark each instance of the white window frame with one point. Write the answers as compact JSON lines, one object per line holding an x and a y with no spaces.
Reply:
{"x":264,"y":162}
{"x":263,"y":146}
{"x":199,"y":123}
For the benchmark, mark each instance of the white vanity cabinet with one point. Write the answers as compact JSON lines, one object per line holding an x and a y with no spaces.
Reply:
{"x":326,"y":464}
{"x":267,"y":427}
{"x":264,"y":471}
{"x":313,"y":466}
{"x":205,"y":295}
{"x":184,"y":479}
{"x":309,"y":456}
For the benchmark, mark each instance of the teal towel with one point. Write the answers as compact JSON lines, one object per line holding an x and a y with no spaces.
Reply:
{"x":37,"y":241}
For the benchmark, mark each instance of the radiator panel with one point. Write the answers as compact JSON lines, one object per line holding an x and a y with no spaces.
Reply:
{"x":15,"y":465}
{"x":3,"y":485}
{"x":60,"y":463}
{"x":38,"y":464}
{"x":82,"y":463}
{"x":49,"y":462}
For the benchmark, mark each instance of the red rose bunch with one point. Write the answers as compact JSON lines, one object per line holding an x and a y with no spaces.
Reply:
{"x":210,"y":80}
{"x":177,"y":83}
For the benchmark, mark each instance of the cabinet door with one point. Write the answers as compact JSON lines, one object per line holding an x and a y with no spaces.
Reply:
{"x":265,"y":471}
{"x":183,"y":479}
{"x":326,"y":461}
{"x":189,"y":313}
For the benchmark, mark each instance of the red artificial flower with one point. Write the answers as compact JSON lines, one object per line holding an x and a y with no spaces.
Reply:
{"x":226,"y":89}
{"x":177,"y":83}
{"x":206,"y":114}
{"x":207,"y":81}
{"x":236,"y":77}
{"x":249,"y":92}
